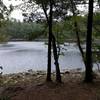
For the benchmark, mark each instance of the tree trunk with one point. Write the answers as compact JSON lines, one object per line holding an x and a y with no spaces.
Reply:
{"x":58,"y":76}
{"x":89,"y":72}
{"x":77,"y":31}
{"x":49,"y":43}
{"x":79,"y":42}
{"x":52,"y":40}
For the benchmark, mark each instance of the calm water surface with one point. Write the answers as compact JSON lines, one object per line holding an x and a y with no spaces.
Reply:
{"x":22,"y":56}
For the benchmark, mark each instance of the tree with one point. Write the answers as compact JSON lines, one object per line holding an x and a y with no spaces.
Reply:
{"x":73,"y":8}
{"x":89,"y":66}
{"x":49,"y":41}
{"x":53,"y":40}
{"x":88,"y":60}
{"x":47,"y":6}
{"x":4,"y":15}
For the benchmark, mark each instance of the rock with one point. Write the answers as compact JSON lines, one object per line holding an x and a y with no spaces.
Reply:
{"x":39,"y":76}
{"x":76,"y":71}
{"x":26,"y":74}
{"x":30,"y":71}
{"x":67,"y":72}
{"x":40,"y":73}
{"x":79,"y":69}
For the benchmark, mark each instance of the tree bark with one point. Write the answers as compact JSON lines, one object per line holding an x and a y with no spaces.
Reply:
{"x":77,"y":31}
{"x":79,"y":42}
{"x":49,"y":43}
{"x":88,"y":71}
{"x":58,"y":76}
{"x":51,"y":40}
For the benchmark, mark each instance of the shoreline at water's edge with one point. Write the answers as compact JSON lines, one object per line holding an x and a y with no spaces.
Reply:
{"x":30,"y":76}
{"x":11,"y":85}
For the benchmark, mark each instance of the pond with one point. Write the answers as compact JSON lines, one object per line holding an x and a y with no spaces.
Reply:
{"x":22,"y":56}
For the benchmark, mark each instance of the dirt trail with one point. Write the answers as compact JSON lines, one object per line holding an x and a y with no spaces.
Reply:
{"x":37,"y":89}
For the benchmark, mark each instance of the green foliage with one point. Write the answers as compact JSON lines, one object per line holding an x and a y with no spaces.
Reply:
{"x":18,"y":30}
{"x":3,"y":38}
{"x":96,"y":53}
{"x":63,"y":30}
{"x":96,"y":25}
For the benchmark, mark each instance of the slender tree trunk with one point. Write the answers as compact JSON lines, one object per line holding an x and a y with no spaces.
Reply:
{"x":51,"y":40}
{"x":58,"y":76}
{"x":79,"y":42}
{"x":77,"y":31}
{"x":89,"y":72}
{"x":56,"y":57}
{"x":49,"y":43}
{"x":49,"y":59}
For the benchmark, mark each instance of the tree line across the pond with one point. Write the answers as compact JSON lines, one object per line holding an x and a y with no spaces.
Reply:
{"x":63,"y":30}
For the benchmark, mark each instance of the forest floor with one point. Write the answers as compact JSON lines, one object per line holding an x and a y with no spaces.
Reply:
{"x":32,"y":86}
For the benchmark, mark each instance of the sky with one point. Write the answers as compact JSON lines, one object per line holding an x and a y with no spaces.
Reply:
{"x":18,"y":13}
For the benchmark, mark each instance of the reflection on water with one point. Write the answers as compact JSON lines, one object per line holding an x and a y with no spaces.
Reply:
{"x":21,"y":56}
